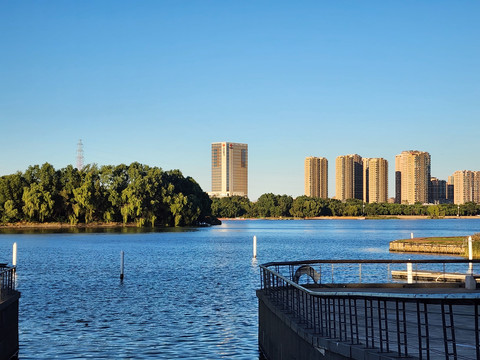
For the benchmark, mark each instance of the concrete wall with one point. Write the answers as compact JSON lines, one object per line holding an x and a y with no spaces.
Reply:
{"x":279,"y":338}
{"x":9,"y":327}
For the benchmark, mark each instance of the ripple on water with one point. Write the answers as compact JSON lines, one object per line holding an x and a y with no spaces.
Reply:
{"x":185,"y":294}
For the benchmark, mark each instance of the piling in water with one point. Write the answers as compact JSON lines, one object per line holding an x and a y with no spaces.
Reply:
{"x":121,"y":264}
{"x":14,"y":254}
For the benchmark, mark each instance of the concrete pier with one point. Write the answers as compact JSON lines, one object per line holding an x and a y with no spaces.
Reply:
{"x":8,"y":314}
{"x":365,"y":321}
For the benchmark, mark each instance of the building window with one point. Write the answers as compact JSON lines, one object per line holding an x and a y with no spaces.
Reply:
{"x":244,"y":158}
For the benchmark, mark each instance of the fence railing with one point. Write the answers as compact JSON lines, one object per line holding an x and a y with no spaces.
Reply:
{"x":7,"y":281}
{"x":346,"y":300}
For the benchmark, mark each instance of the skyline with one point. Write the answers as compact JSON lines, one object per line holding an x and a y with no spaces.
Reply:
{"x":158,"y":83}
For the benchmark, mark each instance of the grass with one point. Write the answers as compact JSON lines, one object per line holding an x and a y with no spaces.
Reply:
{"x":442,"y":240}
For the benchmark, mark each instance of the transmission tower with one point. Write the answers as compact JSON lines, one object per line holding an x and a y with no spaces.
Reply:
{"x":79,"y":155}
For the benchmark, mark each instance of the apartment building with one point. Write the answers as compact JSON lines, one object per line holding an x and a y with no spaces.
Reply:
{"x":316,"y":177}
{"x":412,"y":175}
{"x":349,"y":177}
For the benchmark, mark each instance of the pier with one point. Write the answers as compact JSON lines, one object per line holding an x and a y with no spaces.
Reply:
{"x":8,"y":313}
{"x":357,"y":309}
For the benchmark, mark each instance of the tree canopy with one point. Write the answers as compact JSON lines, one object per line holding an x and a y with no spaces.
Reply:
{"x":277,"y":206}
{"x":135,"y":193}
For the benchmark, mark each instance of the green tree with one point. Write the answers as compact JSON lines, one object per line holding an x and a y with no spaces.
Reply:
{"x":38,"y":203}
{"x":10,"y":212}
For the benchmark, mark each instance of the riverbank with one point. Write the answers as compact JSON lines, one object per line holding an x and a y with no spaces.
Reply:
{"x":59,"y":225}
{"x":379,"y":217}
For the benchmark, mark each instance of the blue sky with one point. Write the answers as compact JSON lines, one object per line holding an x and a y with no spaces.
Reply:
{"x":159,"y":81}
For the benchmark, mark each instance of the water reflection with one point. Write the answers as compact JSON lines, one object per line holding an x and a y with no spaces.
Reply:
{"x":95,"y":230}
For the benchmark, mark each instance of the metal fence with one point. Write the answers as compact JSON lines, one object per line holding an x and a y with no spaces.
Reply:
{"x":335,"y":302}
{"x":7,"y":281}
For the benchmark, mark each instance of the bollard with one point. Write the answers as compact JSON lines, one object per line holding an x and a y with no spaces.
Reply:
{"x":470,"y":255}
{"x":255,"y":246}
{"x":14,"y":254}
{"x":121,"y":264}
{"x":409,"y":273}
{"x":470,"y":282}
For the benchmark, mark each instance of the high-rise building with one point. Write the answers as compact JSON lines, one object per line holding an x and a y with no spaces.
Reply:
{"x":349,"y":177}
{"x":366,"y":173}
{"x":412,"y":173}
{"x":377,"y":183}
{"x":229,"y":169}
{"x":476,"y":187}
{"x":438,"y":191}
{"x":466,"y":186}
{"x":316,"y":177}
{"x":450,"y":190}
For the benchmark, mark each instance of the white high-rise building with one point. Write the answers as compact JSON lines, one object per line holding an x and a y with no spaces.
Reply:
{"x":229,"y":169}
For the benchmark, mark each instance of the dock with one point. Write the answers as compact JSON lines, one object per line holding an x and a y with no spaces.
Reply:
{"x":303,"y":314}
{"x":434,"y":276}
{"x":9,"y":298}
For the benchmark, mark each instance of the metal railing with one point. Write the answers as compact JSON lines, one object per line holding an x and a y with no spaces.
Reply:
{"x":7,"y":281}
{"x":336,"y":302}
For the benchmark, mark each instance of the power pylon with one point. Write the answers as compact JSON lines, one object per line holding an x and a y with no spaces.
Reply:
{"x":79,"y":155}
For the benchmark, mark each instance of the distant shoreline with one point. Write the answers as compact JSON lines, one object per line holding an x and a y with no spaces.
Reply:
{"x":113,"y":225}
{"x":381,"y":217}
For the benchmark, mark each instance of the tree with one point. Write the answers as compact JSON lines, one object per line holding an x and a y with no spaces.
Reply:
{"x":38,"y":202}
{"x":137,"y":193}
{"x":10,"y":212}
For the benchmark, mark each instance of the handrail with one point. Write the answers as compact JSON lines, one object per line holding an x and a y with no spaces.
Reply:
{"x":380,"y":261}
{"x":7,"y":281}
{"x":267,"y":268}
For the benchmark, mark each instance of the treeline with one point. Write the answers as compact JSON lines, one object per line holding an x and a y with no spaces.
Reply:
{"x":136,"y":193}
{"x":270,"y":205}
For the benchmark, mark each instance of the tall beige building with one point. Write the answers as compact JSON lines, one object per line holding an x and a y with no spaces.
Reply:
{"x":229,"y":169}
{"x":349,"y":177}
{"x":466,"y":187}
{"x":412,"y":177}
{"x":316,"y":177}
{"x":375,"y":180}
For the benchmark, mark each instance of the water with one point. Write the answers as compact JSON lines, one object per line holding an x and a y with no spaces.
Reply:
{"x":187,"y":294}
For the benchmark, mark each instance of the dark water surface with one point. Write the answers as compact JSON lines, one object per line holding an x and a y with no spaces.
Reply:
{"x":186,"y":294}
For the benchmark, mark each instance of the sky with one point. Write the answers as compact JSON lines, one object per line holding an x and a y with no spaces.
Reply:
{"x":158,"y":81}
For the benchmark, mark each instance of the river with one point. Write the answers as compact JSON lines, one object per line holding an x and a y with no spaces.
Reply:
{"x":187,"y":293}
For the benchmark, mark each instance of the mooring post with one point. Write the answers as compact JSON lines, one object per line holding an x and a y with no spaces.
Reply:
{"x":470,"y":255}
{"x":14,"y":254}
{"x":121,"y":264}
{"x":470,"y":282}
{"x":255,"y":246}
{"x":409,"y":273}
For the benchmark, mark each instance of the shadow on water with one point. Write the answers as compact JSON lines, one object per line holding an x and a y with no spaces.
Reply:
{"x":96,"y":230}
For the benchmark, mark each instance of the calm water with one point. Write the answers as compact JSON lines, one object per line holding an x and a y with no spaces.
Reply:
{"x":186,"y":294}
